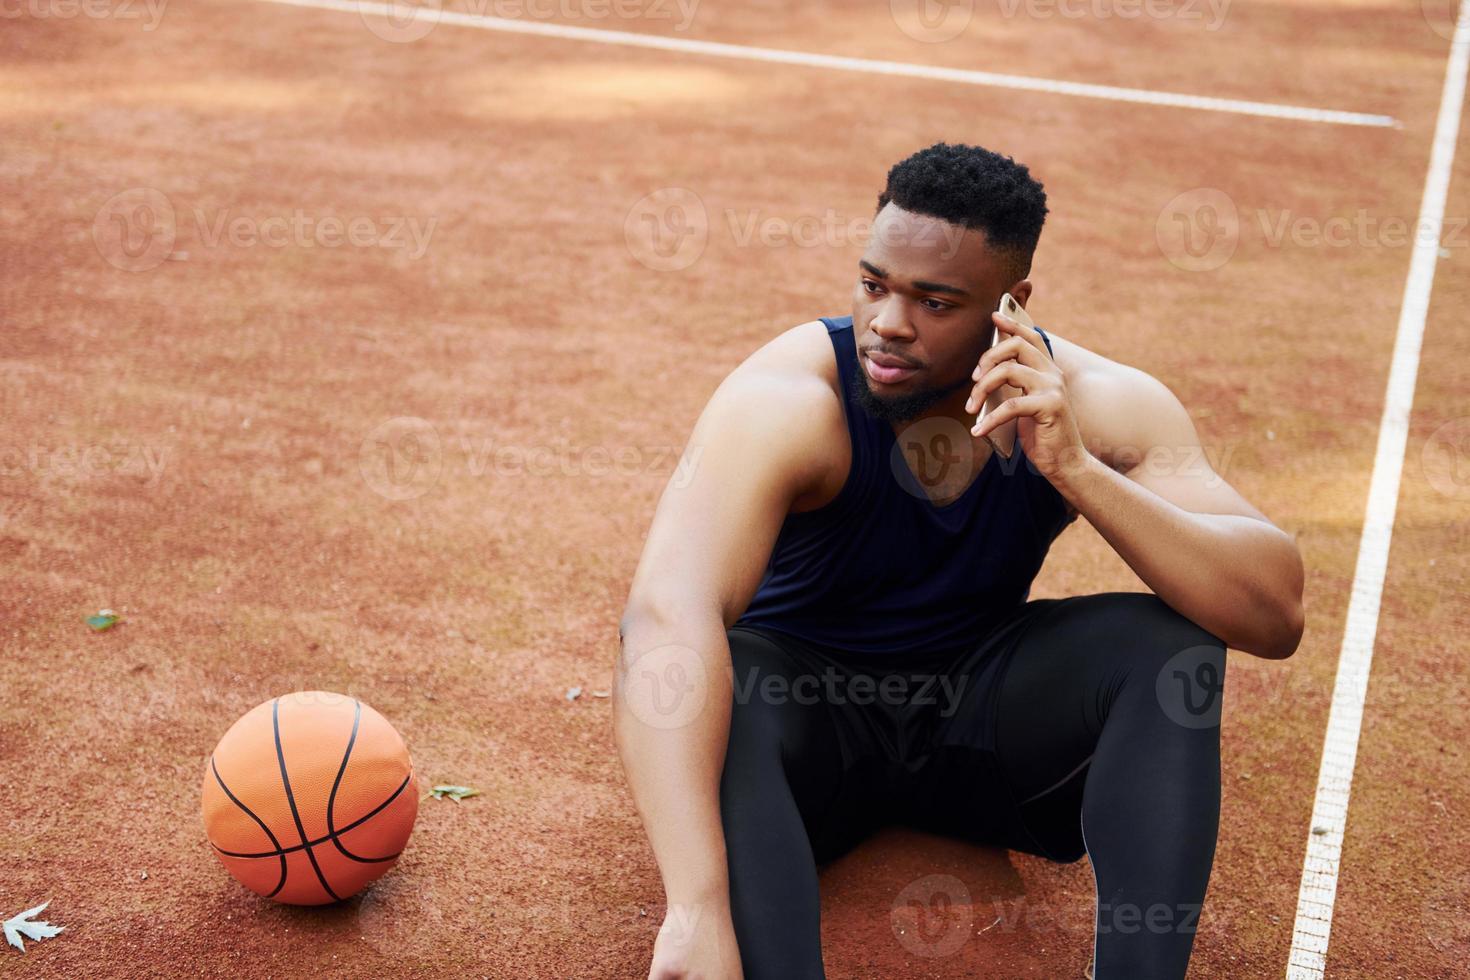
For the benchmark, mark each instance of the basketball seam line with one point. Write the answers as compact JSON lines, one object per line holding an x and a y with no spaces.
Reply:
{"x":251,"y":814}
{"x":322,"y":840}
{"x":332,"y":799}
{"x":291,"y":799}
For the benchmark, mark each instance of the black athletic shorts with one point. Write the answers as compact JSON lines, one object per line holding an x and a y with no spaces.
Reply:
{"x":917,"y":740}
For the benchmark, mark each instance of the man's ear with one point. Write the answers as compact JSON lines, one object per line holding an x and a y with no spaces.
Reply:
{"x":1021,"y":291}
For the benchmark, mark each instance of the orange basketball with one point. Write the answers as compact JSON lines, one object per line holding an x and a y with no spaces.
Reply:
{"x":309,"y":798}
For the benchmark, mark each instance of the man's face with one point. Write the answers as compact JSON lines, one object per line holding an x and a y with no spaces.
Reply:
{"x":921,"y":313}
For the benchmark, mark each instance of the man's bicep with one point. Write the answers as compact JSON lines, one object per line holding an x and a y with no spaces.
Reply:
{"x":1152,"y":440}
{"x":719,"y":515}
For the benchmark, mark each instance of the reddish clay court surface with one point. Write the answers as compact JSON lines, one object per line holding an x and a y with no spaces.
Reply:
{"x":344,"y":363}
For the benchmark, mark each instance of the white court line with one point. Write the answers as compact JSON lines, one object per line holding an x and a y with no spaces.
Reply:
{"x":434,"y":16}
{"x":1344,"y":721}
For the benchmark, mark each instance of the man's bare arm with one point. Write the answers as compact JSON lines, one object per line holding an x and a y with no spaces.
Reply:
{"x":1192,"y":538}
{"x":747,"y":460}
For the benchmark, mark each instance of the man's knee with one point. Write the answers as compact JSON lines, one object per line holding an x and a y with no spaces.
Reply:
{"x":1155,"y":623}
{"x":1173,"y":661}
{"x":1182,"y":662}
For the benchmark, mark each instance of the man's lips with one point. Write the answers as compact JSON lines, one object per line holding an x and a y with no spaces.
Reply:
{"x":887,"y":369}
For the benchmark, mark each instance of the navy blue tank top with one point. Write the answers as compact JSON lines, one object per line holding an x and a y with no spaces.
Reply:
{"x":881,"y":569}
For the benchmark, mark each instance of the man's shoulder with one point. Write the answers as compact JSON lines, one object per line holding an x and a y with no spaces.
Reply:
{"x":1080,"y":364}
{"x":796,"y":369}
{"x":804,"y":350}
{"x":790,"y":388}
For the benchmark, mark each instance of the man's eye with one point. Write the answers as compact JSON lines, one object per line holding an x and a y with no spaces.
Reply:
{"x":938,"y":307}
{"x":870,"y":285}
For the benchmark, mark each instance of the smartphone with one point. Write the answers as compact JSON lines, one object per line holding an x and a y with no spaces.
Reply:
{"x":1015,"y":311}
{"x":1003,"y":437}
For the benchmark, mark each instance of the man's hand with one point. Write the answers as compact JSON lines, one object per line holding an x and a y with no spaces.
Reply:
{"x":696,"y":942}
{"x":1047,"y":426}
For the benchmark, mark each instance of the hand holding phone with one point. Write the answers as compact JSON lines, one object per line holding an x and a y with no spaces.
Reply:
{"x":1003,"y":437}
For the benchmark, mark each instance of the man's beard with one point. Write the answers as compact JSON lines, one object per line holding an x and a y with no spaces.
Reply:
{"x":898,"y":408}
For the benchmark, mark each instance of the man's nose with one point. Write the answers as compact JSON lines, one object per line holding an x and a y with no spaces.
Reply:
{"x":892,"y":320}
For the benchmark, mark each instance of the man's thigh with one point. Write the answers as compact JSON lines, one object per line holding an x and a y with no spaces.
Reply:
{"x":801,"y":709}
{"x":1010,"y":762}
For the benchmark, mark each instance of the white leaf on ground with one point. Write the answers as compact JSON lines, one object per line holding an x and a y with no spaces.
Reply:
{"x":18,"y":926}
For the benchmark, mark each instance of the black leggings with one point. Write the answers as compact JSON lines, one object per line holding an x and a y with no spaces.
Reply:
{"x":1087,"y":725}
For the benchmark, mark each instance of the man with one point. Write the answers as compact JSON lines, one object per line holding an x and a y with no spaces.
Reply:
{"x":830,"y":627}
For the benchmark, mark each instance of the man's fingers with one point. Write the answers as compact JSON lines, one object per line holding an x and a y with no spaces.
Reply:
{"x":1013,"y":373}
{"x":1012,"y":348}
{"x":1018,"y":329}
{"x":1009,"y":409}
